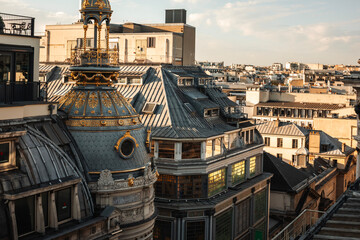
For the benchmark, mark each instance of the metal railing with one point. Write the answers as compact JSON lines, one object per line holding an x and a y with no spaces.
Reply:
{"x":299,"y":225}
{"x":95,"y":57}
{"x":16,"y":25}
{"x":11,"y":92}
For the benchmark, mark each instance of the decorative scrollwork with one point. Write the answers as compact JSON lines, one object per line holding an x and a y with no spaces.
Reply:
{"x":93,"y":100}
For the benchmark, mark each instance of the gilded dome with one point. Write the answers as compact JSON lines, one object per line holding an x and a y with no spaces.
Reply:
{"x":107,"y":129}
{"x":96,"y":9}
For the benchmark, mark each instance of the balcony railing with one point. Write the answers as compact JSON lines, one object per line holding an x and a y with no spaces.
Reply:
{"x":299,"y":225}
{"x":22,"y":92}
{"x":16,"y":25}
{"x":95,"y":57}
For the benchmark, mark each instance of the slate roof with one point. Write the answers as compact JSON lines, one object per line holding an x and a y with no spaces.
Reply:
{"x":286,"y":177}
{"x":335,"y":146}
{"x":284,"y":128}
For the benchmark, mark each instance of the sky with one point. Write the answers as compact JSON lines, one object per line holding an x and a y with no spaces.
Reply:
{"x":258,"y":32}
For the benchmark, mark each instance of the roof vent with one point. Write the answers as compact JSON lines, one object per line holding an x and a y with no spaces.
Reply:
{"x":149,"y":108}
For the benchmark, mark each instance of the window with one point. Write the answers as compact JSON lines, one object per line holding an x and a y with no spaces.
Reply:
{"x":242,"y":217}
{"x":279,"y":142}
{"x":267,"y":141}
{"x":293,"y":158}
{"x":165,"y":186}
{"x":191,"y":150}
{"x":217,"y":147}
{"x":223,"y":227}
{"x":7,"y":156}
{"x":151,"y":42}
{"x":209,"y":148}
{"x":25,"y":215}
{"x":162,"y":230}
{"x":252,"y":169}
{"x":279,"y":156}
{"x":4,"y":153}
{"x":5,"y":67}
{"x":149,"y":108}
{"x":22,"y":67}
{"x":166,"y":149}
{"x":216,"y":182}
{"x":294,"y":143}
{"x":324,"y":147}
{"x":238,"y":172}
{"x":191,"y":186}
{"x":195,"y":230}
{"x":63,"y":204}
{"x":260,"y":208}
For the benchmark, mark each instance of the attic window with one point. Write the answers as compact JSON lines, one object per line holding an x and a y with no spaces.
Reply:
{"x":149,"y":108}
{"x":7,"y":156}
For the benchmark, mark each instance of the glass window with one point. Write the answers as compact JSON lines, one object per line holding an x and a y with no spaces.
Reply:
{"x":25,"y":215}
{"x":251,"y":136}
{"x":195,"y":230}
{"x":260,"y":205}
{"x":162,"y":230}
{"x":4,"y":152}
{"x":238,"y":172}
{"x":235,"y":140}
{"x":209,"y":148}
{"x":279,"y":156}
{"x":191,"y":150}
{"x":151,"y":42}
{"x":217,"y":147}
{"x":63,"y":204}
{"x":190,"y":186}
{"x":5,"y":67}
{"x":267,"y":141}
{"x":242,"y":217}
{"x":165,"y":186}
{"x":166,"y":149}
{"x":223,"y":227}
{"x":279,"y":142}
{"x":260,"y":231}
{"x":216,"y":182}
{"x":294,"y":143}
{"x":45,"y":207}
{"x":22,"y":67}
{"x":252,"y":169}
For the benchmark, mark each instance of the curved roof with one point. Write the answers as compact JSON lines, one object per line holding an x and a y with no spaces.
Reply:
{"x":41,"y":163}
{"x":100,"y":119}
{"x":96,"y":9}
{"x":95,"y":102}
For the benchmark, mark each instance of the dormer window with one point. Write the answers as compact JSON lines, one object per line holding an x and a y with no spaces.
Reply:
{"x":188,"y":82}
{"x":201,"y":81}
{"x":149,"y":108}
{"x":181,"y":82}
{"x":7,"y":155}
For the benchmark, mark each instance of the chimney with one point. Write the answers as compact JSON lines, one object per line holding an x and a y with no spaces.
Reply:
{"x":343,"y":147}
{"x":175,"y":16}
{"x":277,"y":122}
{"x":314,"y":142}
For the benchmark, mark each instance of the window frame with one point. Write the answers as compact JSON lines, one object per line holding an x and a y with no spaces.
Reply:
{"x":295,"y":143}
{"x":151,"y":42}
{"x":267,"y":141}
{"x":11,"y":164}
{"x":280,"y":142}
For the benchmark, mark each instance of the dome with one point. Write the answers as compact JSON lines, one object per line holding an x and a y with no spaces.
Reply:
{"x":107,"y":130}
{"x":95,"y":9}
{"x":302,"y":151}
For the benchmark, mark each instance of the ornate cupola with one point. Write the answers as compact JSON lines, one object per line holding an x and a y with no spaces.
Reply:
{"x":109,"y":132}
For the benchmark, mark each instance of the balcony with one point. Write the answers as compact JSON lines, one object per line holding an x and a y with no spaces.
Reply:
{"x":95,"y":57}
{"x":12,"y":92}
{"x":16,"y":25}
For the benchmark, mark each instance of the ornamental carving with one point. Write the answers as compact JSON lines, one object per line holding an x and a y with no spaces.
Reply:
{"x":106,"y":179}
{"x":116,"y":99}
{"x":70,"y":98}
{"x":105,"y":99}
{"x":80,"y":100}
{"x":93,"y":100}
{"x":100,"y":4}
